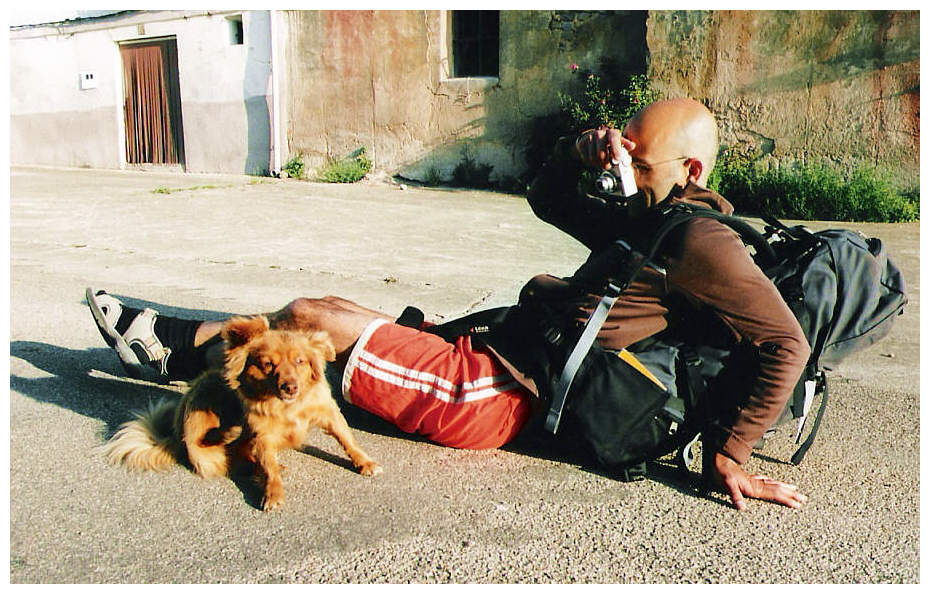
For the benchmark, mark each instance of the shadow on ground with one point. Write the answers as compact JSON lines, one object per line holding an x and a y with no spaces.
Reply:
{"x":92,"y":383}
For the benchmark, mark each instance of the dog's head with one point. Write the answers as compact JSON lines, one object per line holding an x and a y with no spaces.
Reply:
{"x":262,"y":363}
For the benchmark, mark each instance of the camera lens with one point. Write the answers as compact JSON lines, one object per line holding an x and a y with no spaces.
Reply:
{"x":605,"y":183}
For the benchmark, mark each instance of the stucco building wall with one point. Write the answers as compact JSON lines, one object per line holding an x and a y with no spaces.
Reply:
{"x":836,"y":85}
{"x":790,"y":84}
{"x":842,"y":85}
{"x":380,"y":79}
{"x":53,"y":122}
{"x":224,"y":90}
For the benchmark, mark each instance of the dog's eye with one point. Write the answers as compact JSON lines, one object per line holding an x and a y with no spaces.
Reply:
{"x":266,"y":365}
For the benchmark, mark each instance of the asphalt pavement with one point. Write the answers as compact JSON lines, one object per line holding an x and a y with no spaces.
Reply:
{"x":209,"y":246}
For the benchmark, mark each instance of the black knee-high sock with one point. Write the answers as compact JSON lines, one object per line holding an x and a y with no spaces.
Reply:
{"x":188,"y":364}
{"x":175,"y":333}
{"x":186,"y":361}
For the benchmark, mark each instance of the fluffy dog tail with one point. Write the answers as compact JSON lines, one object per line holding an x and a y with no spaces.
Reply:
{"x":148,"y":441}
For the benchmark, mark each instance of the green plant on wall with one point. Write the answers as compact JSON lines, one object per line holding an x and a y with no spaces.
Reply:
{"x":811,"y":191}
{"x":347,"y":170}
{"x":294,"y":167}
{"x":469,"y":173}
{"x":607,"y":97}
{"x":433,"y":176}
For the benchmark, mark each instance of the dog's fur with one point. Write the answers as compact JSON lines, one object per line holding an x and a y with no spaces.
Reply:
{"x":269,"y":394}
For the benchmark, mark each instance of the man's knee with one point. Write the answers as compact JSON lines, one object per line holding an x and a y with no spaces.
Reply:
{"x":342,"y":319}
{"x":340,"y":303}
{"x":302,"y":312}
{"x":309,"y":313}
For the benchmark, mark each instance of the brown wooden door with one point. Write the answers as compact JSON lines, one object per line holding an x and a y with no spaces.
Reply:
{"x":152,"y":104}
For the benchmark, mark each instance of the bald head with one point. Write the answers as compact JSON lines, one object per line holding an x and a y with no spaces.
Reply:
{"x":676,"y":128}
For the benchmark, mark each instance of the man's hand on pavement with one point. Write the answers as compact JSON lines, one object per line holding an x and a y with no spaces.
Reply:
{"x":738,"y":484}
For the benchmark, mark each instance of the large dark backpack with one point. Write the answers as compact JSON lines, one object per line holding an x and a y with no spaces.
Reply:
{"x":630,"y":408}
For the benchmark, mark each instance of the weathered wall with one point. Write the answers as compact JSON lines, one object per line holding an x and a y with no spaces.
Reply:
{"x":223,"y":88}
{"x":379,"y":79}
{"x":53,"y":122}
{"x":842,"y":85}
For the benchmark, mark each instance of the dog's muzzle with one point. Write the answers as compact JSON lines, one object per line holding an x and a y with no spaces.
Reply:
{"x":288,"y":391}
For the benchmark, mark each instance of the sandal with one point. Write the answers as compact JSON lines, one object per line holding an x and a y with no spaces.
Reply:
{"x":139,"y":350}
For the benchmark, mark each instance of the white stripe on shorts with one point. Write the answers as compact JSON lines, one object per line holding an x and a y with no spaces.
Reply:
{"x":413,"y":379}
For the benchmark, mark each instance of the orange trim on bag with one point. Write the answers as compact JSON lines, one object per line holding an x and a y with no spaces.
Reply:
{"x":635,"y":364}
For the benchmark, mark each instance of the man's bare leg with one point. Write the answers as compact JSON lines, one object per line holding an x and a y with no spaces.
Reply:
{"x":344,"y":320}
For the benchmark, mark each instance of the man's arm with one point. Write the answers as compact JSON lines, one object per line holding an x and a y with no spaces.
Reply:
{"x":555,"y":198}
{"x":715,"y":269}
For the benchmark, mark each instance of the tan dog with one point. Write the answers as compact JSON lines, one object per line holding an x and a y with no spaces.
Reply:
{"x":269,"y":394}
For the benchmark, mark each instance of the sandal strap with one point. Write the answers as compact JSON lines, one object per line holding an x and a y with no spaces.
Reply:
{"x":141,"y":332}
{"x":109,"y":306}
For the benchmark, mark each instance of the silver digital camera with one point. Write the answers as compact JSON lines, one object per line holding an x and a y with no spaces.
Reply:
{"x":618,"y":181}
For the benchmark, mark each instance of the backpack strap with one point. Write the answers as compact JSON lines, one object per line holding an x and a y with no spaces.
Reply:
{"x":764,"y":254}
{"x":633,"y":263}
{"x":577,"y":355}
{"x":799,"y":455}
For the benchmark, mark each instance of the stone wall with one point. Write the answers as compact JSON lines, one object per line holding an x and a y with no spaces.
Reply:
{"x":790,"y":84}
{"x":380,"y":79}
{"x":840,"y":85}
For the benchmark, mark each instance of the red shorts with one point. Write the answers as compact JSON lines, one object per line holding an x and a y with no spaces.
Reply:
{"x":455,"y":395}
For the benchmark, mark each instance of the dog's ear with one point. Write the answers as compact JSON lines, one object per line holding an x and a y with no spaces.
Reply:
{"x":239,"y":331}
{"x":321,"y":351}
{"x":322,"y":342}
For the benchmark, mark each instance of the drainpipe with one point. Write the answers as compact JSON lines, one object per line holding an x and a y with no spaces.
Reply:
{"x":277,"y":144}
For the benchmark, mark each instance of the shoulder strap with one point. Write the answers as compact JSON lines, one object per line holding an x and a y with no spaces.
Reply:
{"x":577,"y":355}
{"x":674,"y":216}
{"x":765,"y":255}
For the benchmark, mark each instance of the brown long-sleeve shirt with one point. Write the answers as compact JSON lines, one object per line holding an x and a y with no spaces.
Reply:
{"x":708,"y":266}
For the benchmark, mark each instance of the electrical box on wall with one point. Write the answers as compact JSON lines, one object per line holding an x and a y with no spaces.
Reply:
{"x":88,"y":80}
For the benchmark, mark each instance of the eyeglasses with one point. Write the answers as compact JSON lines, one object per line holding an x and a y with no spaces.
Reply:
{"x":644,"y":167}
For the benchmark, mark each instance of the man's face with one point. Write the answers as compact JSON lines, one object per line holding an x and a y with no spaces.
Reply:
{"x":658,"y":167}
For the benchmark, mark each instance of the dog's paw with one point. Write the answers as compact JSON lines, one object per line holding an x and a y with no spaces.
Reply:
{"x":370,"y":468}
{"x":270,"y":502}
{"x":273,"y":499}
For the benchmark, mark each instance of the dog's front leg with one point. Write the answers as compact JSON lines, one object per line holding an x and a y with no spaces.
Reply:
{"x":267,"y":458}
{"x":339,"y":428}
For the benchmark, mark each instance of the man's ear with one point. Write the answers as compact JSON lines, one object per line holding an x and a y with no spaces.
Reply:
{"x":695,"y":169}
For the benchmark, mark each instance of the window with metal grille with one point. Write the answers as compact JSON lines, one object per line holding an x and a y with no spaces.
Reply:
{"x":475,"y":43}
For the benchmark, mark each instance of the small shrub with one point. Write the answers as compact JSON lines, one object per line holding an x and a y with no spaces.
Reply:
{"x":811,"y":191}
{"x":294,"y":167}
{"x":433,"y":177}
{"x":512,"y":184}
{"x":610,"y":97}
{"x":471,"y":174}
{"x":733,"y":175}
{"x":348,"y":170}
